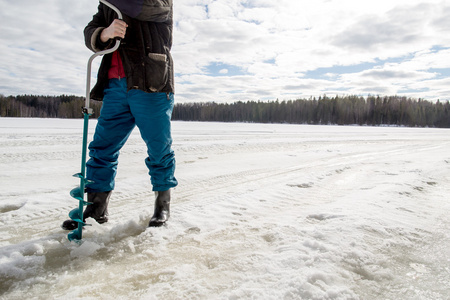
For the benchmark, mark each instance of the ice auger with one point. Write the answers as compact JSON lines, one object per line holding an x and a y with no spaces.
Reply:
{"x":78,"y":192}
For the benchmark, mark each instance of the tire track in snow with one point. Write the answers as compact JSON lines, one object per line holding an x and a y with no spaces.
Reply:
{"x":197,"y":194}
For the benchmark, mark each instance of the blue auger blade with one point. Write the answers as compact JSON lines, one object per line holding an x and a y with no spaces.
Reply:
{"x":77,"y":193}
{"x":79,"y":175}
{"x":75,"y":214}
{"x":74,"y":235}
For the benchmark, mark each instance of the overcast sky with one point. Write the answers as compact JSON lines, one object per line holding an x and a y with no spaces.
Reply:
{"x":229,"y":50}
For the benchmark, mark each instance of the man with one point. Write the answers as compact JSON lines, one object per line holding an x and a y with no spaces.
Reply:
{"x":136,"y":84}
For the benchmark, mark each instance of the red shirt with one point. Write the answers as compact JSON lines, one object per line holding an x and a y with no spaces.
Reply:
{"x":116,"y":69}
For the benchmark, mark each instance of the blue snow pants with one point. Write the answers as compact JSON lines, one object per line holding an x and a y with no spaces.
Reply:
{"x":121,"y":112}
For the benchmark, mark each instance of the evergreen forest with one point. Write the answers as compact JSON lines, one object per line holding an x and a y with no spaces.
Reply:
{"x":338,"y":110}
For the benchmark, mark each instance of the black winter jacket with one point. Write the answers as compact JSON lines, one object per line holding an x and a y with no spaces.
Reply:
{"x":145,"y":50}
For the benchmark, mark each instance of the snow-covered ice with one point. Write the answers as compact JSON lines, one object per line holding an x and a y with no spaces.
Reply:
{"x":262,"y":211}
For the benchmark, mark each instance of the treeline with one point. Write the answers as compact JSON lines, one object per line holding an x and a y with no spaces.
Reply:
{"x":31,"y":106}
{"x":346,"y":110}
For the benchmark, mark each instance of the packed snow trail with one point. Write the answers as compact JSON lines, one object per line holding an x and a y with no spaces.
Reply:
{"x":261,"y":212}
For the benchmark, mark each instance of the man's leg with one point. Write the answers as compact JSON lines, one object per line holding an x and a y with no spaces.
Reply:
{"x":153,"y":112}
{"x":114,"y":126}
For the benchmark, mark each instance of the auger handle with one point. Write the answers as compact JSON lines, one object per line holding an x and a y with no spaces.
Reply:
{"x":87,"y":109}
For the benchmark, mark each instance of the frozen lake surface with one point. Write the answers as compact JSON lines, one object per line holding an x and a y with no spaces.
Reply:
{"x":262,"y":211}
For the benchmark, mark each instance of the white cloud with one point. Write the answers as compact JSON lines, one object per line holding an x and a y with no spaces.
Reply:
{"x":275,"y":44}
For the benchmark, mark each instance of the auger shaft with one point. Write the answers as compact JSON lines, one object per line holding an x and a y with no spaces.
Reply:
{"x":78,"y":193}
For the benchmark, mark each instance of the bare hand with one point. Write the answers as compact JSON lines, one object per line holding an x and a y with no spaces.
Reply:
{"x":117,"y":28}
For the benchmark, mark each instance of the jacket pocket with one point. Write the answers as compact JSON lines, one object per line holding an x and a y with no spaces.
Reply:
{"x":156,"y":71}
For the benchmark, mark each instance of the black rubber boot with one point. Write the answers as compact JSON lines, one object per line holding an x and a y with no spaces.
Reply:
{"x":162,"y":209}
{"x":98,"y":210}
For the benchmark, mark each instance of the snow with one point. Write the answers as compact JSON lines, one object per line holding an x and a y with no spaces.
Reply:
{"x":262,"y":211}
